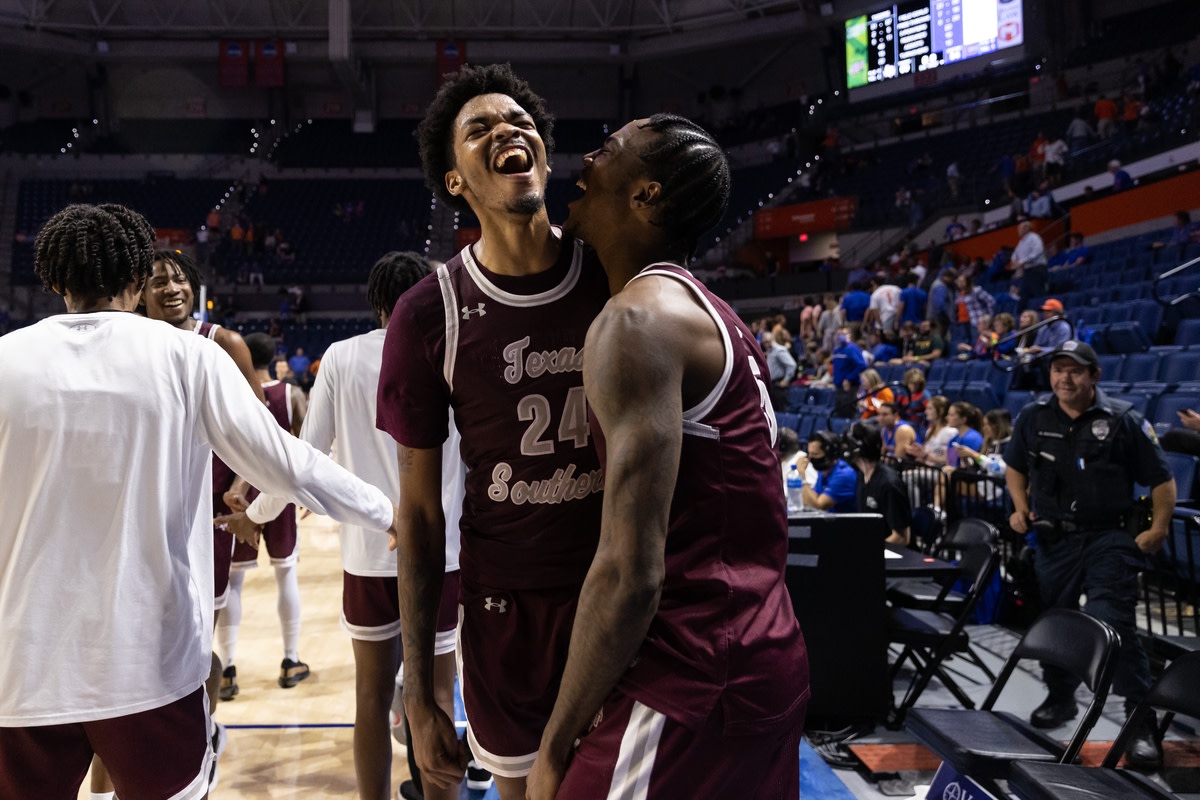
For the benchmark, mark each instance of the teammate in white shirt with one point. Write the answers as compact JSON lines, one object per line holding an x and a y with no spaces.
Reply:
{"x":108,"y":422}
{"x":342,"y":408}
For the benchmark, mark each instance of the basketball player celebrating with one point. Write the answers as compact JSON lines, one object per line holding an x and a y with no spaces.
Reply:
{"x":687,"y":674}
{"x":496,"y":335}
{"x":288,"y":405}
{"x":107,"y":427}
{"x":342,"y":408}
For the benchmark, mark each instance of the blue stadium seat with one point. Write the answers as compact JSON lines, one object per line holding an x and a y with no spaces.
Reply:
{"x":937,"y":372}
{"x":1139,"y":367}
{"x":1188,"y":333}
{"x":1140,"y":401}
{"x":1016,"y":399}
{"x":808,"y":423}
{"x":786,"y":420}
{"x":1183,"y":467}
{"x":1179,"y":367}
{"x":1149,"y":314}
{"x":1121,"y":337}
{"x":981,"y":395}
{"x":1110,"y":366}
{"x":1168,"y":405}
{"x":796,"y":395}
{"x":821,"y":397}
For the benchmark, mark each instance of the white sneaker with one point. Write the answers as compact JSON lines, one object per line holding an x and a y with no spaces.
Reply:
{"x":478,"y":778}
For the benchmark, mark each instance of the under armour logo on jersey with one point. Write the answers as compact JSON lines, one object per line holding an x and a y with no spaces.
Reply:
{"x":467,"y":311}
{"x":500,"y":605}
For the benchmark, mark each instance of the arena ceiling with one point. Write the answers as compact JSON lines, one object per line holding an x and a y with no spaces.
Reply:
{"x":131,"y":29}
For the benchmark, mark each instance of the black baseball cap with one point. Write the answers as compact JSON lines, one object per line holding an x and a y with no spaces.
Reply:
{"x":1077,"y":351}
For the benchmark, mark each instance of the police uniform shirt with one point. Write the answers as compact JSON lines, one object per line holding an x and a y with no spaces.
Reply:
{"x":1082,"y":470}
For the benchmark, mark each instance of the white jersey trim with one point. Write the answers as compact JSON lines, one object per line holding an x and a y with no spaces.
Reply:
{"x":450,"y":307}
{"x":705,"y":406}
{"x":526,"y":300}
{"x":635,"y":760}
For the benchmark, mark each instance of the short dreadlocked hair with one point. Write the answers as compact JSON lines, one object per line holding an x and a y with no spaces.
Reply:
{"x":94,"y":251}
{"x":435,"y":132}
{"x":186,"y":265}
{"x":694,"y":174}
{"x":393,"y":275}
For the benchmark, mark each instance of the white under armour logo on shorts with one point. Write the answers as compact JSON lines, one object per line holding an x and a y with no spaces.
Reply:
{"x":501,"y":605}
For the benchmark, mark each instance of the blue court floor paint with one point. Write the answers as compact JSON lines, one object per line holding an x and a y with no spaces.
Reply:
{"x":817,"y":779}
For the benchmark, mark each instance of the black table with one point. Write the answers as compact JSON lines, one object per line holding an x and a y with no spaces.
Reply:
{"x":902,"y":562}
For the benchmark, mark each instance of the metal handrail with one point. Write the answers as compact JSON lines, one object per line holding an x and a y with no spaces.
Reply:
{"x":1169,"y":273}
{"x":1009,"y":366}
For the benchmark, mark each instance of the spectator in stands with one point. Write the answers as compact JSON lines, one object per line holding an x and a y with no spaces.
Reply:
{"x":879,"y":489}
{"x":1056,"y":157}
{"x":931,"y":449}
{"x":966,"y":420}
{"x":237,"y":236}
{"x":882,"y":351}
{"x":913,"y":300}
{"x":1005,"y":344}
{"x":881,"y":311}
{"x":1131,"y":113}
{"x":872,"y":393}
{"x":1105,"y":112}
{"x":973,"y":303}
{"x":1040,"y":203}
{"x":256,"y":273}
{"x":896,"y":432}
{"x":284,"y":251}
{"x":782,"y":367}
{"x":1183,"y":233}
{"x":1122,"y":180}
{"x":981,"y":348}
{"x":928,"y":346}
{"x":913,"y":401}
{"x":955,"y":230}
{"x":941,"y":299}
{"x":1061,"y":270}
{"x":202,"y":252}
{"x":999,"y":266}
{"x":953,"y":178}
{"x":1185,"y":439}
{"x":1037,"y":156}
{"x":1079,"y":133}
{"x":854,"y":306}
{"x":1054,"y":334}
{"x":830,"y":320}
{"x":836,"y":487}
{"x":299,"y":363}
{"x":988,"y":459}
{"x":810,"y":315}
{"x":848,"y":365}
{"x":1028,"y":264}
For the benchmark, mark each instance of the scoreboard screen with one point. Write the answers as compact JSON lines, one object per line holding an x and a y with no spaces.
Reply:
{"x":919,"y":35}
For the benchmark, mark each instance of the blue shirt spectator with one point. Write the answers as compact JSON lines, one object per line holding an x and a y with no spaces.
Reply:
{"x":855,"y":303}
{"x":1122,"y":180}
{"x":841,"y":484}
{"x":913,"y":301}
{"x":941,"y":299}
{"x":848,"y":361}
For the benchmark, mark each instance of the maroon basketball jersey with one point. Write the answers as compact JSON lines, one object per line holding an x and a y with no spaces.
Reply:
{"x":725,"y":632}
{"x":506,"y":354}
{"x":222,"y":475}
{"x":279,"y":402}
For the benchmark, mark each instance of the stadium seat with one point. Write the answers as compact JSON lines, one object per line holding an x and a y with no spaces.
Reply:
{"x":786,"y":420}
{"x":1121,"y":337}
{"x":1188,"y":333}
{"x":1179,"y":367}
{"x":1110,"y":366}
{"x":1168,"y":405}
{"x":1016,"y":399}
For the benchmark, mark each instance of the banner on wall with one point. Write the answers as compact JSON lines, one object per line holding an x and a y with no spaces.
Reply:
{"x":451,"y":55}
{"x":819,"y":216}
{"x":268,"y":63}
{"x":234,"y":63}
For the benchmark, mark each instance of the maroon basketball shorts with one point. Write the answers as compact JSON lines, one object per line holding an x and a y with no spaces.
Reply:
{"x":371,"y":610}
{"x":165,"y":752}
{"x":512,"y":647}
{"x":222,"y":560}
{"x":283,"y":544}
{"x":636,"y":753}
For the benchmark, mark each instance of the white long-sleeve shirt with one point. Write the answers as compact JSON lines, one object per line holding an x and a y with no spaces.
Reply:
{"x":108,"y":422}
{"x":341,"y":407}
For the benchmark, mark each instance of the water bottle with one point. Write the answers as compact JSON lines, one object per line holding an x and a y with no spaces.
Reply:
{"x":795,"y":490}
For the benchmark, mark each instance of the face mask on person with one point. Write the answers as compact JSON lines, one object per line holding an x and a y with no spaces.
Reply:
{"x":842,"y":339}
{"x":821,"y":464}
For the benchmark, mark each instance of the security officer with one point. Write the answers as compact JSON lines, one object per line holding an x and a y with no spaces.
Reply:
{"x":1072,"y":462}
{"x":880,"y":489}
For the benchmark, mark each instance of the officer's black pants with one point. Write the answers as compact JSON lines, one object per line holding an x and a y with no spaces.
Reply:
{"x":1104,"y":566}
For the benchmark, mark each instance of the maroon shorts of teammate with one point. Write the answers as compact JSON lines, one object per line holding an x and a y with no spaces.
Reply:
{"x":636,"y":753}
{"x":165,"y":752}
{"x":282,"y":542}
{"x":512,"y":648}
{"x":371,"y":609}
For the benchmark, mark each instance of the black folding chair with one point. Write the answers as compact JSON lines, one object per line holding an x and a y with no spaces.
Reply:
{"x":1175,"y":693}
{"x":929,"y":637}
{"x":933,"y":595}
{"x":983,"y":744}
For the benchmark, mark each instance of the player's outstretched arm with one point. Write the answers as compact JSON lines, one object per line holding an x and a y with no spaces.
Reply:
{"x":633,"y":376}
{"x":421,"y":563}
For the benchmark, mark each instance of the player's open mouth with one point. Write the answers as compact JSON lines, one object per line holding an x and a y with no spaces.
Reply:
{"x":512,"y":161}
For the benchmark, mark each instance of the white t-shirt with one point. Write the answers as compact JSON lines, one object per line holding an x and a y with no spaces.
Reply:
{"x":107,"y":426}
{"x":341,"y":407}
{"x":886,"y":301}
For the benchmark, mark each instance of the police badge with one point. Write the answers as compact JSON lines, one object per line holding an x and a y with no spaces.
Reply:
{"x":1100,"y":429}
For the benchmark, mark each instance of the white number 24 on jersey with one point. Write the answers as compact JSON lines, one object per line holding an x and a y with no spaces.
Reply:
{"x":573,"y":427}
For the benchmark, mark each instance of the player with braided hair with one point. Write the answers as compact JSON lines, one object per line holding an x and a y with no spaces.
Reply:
{"x":687,"y":673}
{"x":106,"y":540}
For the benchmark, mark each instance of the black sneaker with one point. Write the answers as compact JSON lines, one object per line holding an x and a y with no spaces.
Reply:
{"x":292,"y":672}
{"x":1054,"y":712}
{"x":408,"y":791}
{"x":229,"y":687}
{"x":478,"y":778}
